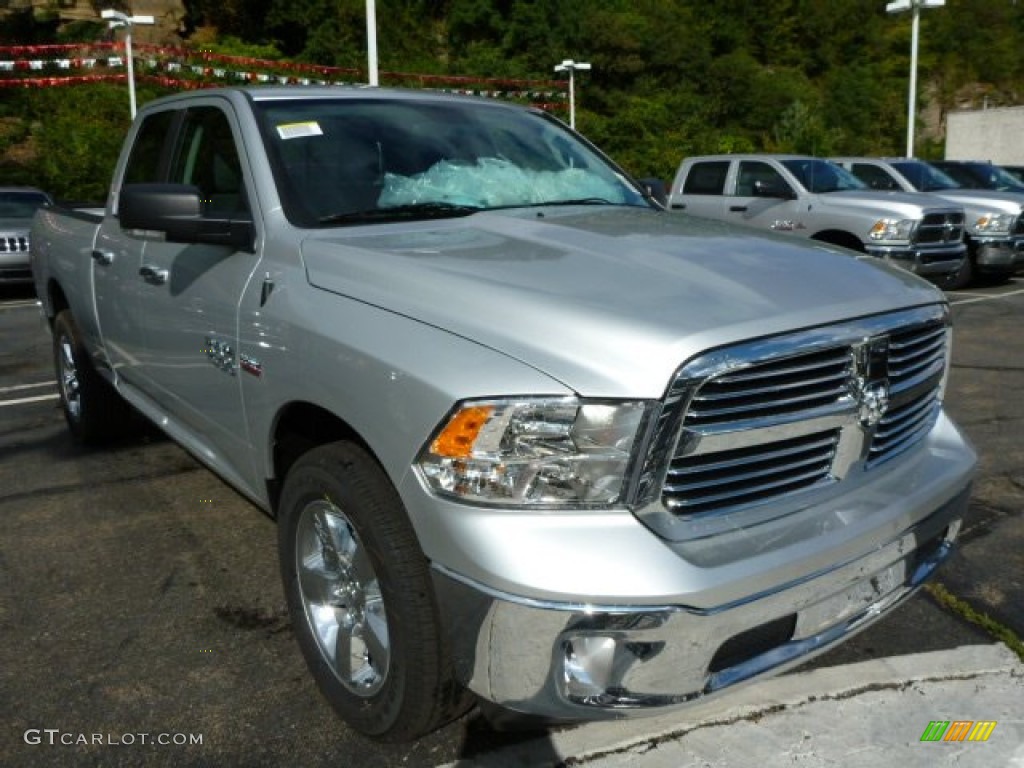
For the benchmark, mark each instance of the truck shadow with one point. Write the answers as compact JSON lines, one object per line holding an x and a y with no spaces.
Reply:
{"x":485,"y":747}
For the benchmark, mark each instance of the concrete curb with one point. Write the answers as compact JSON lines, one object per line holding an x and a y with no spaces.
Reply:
{"x":584,"y":743}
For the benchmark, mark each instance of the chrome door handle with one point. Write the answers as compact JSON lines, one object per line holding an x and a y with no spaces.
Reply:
{"x":737,"y":208}
{"x":153,"y":275}
{"x":104,"y":258}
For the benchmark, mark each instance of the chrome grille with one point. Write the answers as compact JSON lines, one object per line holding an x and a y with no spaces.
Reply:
{"x":947,"y":227}
{"x":1018,"y":227}
{"x":776,"y":418}
{"x":789,"y":385}
{"x":13,"y":243}
{"x":698,"y":483}
{"x":917,"y":360}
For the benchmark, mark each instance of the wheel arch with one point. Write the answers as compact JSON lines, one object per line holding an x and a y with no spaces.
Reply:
{"x":840,"y":237}
{"x":298,"y":427}
{"x":56,"y":300}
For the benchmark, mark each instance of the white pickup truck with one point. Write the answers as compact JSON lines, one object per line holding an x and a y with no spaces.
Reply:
{"x":529,"y":440}
{"x":814,"y":198}
{"x":995,"y":219}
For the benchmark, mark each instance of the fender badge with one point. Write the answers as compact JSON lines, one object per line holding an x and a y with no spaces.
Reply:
{"x":250,"y":365}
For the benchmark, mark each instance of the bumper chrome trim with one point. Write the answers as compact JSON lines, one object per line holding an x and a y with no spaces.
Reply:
{"x":574,"y":661}
{"x":922,"y":259}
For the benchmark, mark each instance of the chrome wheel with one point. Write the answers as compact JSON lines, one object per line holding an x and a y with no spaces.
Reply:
{"x":341,"y":598}
{"x":93,"y":409}
{"x":68,"y":376}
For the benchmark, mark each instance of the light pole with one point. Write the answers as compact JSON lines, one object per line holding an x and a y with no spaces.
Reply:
{"x":898,"y":6}
{"x":118,"y":19}
{"x":570,"y":66}
{"x":371,"y":40}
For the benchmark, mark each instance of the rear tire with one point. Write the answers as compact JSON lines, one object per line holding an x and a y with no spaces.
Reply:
{"x":94,"y":411}
{"x":361,"y":598}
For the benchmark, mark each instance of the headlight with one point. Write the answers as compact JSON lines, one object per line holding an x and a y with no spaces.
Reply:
{"x":892,"y":229}
{"x":994,"y":223}
{"x":550,"y":452}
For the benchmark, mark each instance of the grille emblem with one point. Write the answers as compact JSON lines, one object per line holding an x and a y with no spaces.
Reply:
{"x":869,"y":383}
{"x":947,"y":231}
{"x":873,"y":401}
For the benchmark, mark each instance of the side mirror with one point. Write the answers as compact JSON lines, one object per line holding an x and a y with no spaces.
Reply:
{"x":773,"y":189}
{"x":177,"y":211}
{"x":656,"y":190}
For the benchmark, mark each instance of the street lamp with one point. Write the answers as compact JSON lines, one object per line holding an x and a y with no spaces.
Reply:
{"x":570,"y":66}
{"x":371,"y":41}
{"x":118,"y":19}
{"x":898,"y":6}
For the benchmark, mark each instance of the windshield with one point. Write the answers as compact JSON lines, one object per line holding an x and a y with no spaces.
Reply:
{"x":983,"y":176}
{"x":821,"y":176}
{"x":924,"y":177}
{"x":20,"y":205}
{"x":1004,"y":180}
{"x":344,"y":161}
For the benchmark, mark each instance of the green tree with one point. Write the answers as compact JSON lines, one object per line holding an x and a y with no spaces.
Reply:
{"x":77,"y":134}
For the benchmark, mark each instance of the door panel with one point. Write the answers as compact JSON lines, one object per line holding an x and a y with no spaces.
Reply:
{"x":190,"y":294}
{"x":115,"y":265}
{"x":703,"y":189}
{"x":748,"y":206}
{"x":117,"y":256}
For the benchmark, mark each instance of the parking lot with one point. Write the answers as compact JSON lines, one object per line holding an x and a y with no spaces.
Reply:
{"x":141,"y":598}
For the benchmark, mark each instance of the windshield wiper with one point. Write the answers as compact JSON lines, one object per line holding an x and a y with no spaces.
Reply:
{"x":413,"y":211}
{"x":575,"y":201}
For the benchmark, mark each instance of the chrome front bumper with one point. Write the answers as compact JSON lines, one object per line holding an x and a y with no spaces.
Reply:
{"x":923,"y":260}
{"x":999,"y":256}
{"x":14,"y":258}
{"x":587,"y":662}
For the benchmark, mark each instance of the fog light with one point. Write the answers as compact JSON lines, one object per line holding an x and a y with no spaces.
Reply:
{"x":589,"y":665}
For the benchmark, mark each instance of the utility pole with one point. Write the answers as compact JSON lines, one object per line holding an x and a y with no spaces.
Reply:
{"x":118,"y":19}
{"x":570,"y":66}
{"x":898,"y":6}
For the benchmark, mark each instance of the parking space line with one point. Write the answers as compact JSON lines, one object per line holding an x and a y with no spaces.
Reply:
{"x":23,"y":400}
{"x":975,"y":297}
{"x":19,"y":387}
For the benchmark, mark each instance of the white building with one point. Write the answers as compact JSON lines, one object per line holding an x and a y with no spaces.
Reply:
{"x":988,"y":134}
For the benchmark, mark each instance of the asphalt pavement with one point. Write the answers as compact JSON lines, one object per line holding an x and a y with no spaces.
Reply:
{"x":140,"y":601}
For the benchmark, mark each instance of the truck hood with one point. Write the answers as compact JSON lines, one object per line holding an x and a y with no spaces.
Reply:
{"x":608,"y":301}
{"x":981,"y":200}
{"x":909,"y":205}
{"x":15,"y":225}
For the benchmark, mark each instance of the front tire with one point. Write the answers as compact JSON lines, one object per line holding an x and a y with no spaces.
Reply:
{"x":94,"y":411}
{"x":959,"y":278}
{"x":360,"y":597}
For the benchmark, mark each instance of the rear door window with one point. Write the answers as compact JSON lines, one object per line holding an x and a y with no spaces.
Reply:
{"x":707,"y":178}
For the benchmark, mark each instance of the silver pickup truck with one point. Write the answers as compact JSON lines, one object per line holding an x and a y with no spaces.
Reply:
{"x":815,"y":198}
{"x":529,"y":440}
{"x":18,"y":206}
{"x":994,"y":224}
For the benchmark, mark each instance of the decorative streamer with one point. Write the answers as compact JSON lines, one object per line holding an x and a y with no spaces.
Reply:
{"x":189,"y":69}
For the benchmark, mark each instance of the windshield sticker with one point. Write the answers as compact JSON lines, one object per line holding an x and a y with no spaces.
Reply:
{"x":299,"y":130}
